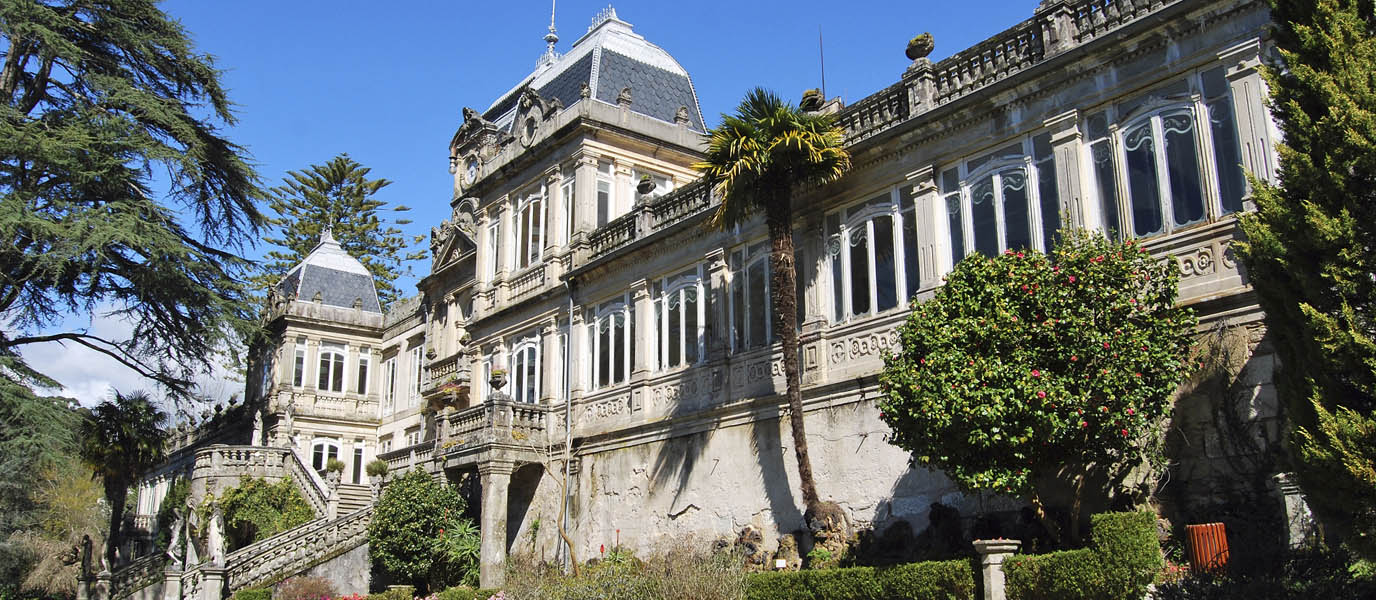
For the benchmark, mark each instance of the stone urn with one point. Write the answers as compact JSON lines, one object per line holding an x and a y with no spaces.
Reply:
{"x":332,"y":477}
{"x":498,"y":381}
{"x":920,"y":46}
{"x":646,"y":185}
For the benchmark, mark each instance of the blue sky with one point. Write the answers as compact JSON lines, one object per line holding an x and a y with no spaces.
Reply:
{"x":386,"y":81}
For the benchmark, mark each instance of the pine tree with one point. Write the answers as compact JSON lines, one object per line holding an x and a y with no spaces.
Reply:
{"x":1311,"y":254}
{"x":337,"y":195}
{"x":95,"y":98}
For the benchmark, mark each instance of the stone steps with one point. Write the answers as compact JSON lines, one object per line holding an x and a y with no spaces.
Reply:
{"x":353,"y":497}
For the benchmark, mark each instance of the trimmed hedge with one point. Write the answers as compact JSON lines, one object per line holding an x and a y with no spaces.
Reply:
{"x":465,"y":593}
{"x":937,"y":580}
{"x":253,"y":594}
{"x":1123,"y":558}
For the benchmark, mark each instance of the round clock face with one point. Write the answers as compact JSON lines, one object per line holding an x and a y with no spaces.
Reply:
{"x":471,"y":169}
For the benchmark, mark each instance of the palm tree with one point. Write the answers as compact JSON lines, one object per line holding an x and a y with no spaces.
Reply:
{"x":755,"y":160}
{"x":122,"y":439}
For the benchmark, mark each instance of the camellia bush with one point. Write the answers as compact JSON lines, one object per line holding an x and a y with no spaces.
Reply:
{"x":1024,"y":365}
{"x":409,"y":522}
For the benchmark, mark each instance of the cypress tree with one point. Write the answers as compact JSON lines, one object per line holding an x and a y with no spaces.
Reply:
{"x":1311,"y":253}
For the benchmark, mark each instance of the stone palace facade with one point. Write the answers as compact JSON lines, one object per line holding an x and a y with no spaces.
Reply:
{"x":576,"y":304}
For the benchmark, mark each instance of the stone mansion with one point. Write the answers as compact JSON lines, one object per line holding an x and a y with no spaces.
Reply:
{"x":576,"y":305}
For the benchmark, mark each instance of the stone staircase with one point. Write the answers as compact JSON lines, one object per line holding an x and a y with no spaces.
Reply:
{"x":353,"y":497}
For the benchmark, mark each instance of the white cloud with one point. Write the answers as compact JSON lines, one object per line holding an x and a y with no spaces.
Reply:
{"x":89,"y":376}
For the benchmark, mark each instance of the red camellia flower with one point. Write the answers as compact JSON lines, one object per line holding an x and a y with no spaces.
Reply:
{"x":1072,"y":279}
{"x":1130,"y":411}
{"x":1041,"y":394}
{"x":1036,"y":373}
{"x":1106,"y":345}
{"x":1084,"y":423}
{"x":1125,"y":433}
{"x":1137,"y":374}
{"x":1074,"y":358}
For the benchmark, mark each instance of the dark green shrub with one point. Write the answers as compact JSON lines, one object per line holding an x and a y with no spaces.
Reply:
{"x":943,"y":580}
{"x":396,"y":592}
{"x":465,"y":593}
{"x":1123,"y":559}
{"x":1297,"y":575}
{"x":946,"y":580}
{"x":252,"y":594}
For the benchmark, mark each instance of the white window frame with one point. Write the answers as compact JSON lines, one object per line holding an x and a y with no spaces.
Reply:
{"x":1191,"y":101}
{"x":327,"y":448}
{"x":672,"y":293}
{"x":858,"y":226}
{"x":298,"y":373}
{"x":494,"y":244}
{"x":608,"y":312}
{"x":413,"y":399}
{"x":569,"y":195}
{"x":389,"y":386}
{"x":995,"y":166}
{"x":604,"y":194}
{"x":744,"y":311}
{"x":525,"y":363}
{"x":364,"y":370}
{"x":531,"y":229}
{"x":331,"y":359}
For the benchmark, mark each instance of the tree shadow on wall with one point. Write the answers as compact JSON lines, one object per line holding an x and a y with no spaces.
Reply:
{"x":1223,"y":448}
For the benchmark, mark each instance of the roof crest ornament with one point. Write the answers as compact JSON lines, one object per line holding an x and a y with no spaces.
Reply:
{"x":551,"y":39}
{"x":602,"y":16}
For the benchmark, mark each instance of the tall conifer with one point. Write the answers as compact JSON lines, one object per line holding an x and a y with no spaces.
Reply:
{"x":338,"y":195}
{"x":1311,"y":253}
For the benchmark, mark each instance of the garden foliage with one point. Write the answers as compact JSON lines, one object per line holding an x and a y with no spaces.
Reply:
{"x":257,"y":510}
{"x":1122,"y":560}
{"x":1024,"y":364}
{"x":407,"y":536}
{"x":1308,"y":250}
{"x":939,"y":580}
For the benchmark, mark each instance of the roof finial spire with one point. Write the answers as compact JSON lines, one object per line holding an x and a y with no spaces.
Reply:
{"x":551,"y":38}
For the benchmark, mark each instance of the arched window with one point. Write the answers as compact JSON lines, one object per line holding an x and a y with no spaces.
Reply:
{"x":322,"y":450}
{"x":680,"y":314}
{"x":1003,"y":200}
{"x":751,"y":325}
{"x":1172,"y":160}
{"x":612,"y":332}
{"x":525,"y":370}
{"x":331,"y":374}
{"x":872,"y":249}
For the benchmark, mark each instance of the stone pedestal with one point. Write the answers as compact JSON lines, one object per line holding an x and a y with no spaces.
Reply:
{"x":212,"y":583}
{"x":1299,"y":522}
{"x":102,"y":588}
{"x":83,"y":588}
{"x":172,"y":584}
{"x":496,"y":477}
{"x":992,"y":553}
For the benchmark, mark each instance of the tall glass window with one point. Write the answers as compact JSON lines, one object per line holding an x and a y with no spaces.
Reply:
{"x":362,"y":372}
{"x":298,"y":367}
{"x":330,"y":377}
{"x":525,"y":370}
{"x":867,"y":246}
{"x":1177,"y":159}
{"x":416,"y":374}
{"x":605,"y":207}
{"x":752,"y":322}
{"x":612,"y":331}
{"x":1003,"y":200}
{"x":530,"y":237}
{"x":570,"y":200}
{"x":389,"y":385}
{"x":494,"y":241}
{"x":680,"y":315}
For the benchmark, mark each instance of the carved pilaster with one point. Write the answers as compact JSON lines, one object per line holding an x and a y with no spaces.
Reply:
{"x":1065,"y":144}
{"x":643,"y":361}
{"x":932,"y":257}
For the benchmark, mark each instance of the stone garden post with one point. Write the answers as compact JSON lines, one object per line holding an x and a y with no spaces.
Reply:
{"x":992,"y":553}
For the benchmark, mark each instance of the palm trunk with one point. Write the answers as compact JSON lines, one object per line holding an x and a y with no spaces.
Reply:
{"x":114,"y":496}
{"x":778,"y":218}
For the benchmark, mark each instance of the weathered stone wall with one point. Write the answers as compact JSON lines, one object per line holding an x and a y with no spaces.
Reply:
{"x":349,"y":572}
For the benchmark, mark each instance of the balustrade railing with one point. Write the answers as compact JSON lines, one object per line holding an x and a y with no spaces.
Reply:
{"x":1093,"y":18}
{"x":450,"y":369}
{"x":399,"y":461}
{"x":619,"y":232}
{"x":681,"y":204}
{"x":994,"y":59}
{"x":137,"y":575}
{"x":503,"y":421}
{"x":263,"y":461}
{"x":528,"y":282}
{"x":297,"y":549}
{"x":874,"y":113}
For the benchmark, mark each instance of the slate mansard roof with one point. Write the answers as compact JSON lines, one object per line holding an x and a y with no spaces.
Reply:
{"x":609,"y":57}
{"x":340,"y":279}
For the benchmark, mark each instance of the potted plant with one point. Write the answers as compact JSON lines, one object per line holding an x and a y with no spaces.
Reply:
{"x":334,"y":469}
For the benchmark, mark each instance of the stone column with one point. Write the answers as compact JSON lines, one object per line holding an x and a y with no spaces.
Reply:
{"x":992,"y":553}
{"x":718,"y":311}
{"x":551,"y":364}
{"x":930,"y":210}
{"x":495,"y":478}
{"x":646,"y":345}
{"x":579,"y":353}
{"x":585,"y":197}
{"x":1255,"y":127}
{"x":505,"y":250}
{"x":102,"y":588}
{"x":554,"y":210}
{"x":623,"y":188}
{"x":1065,"y":144}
